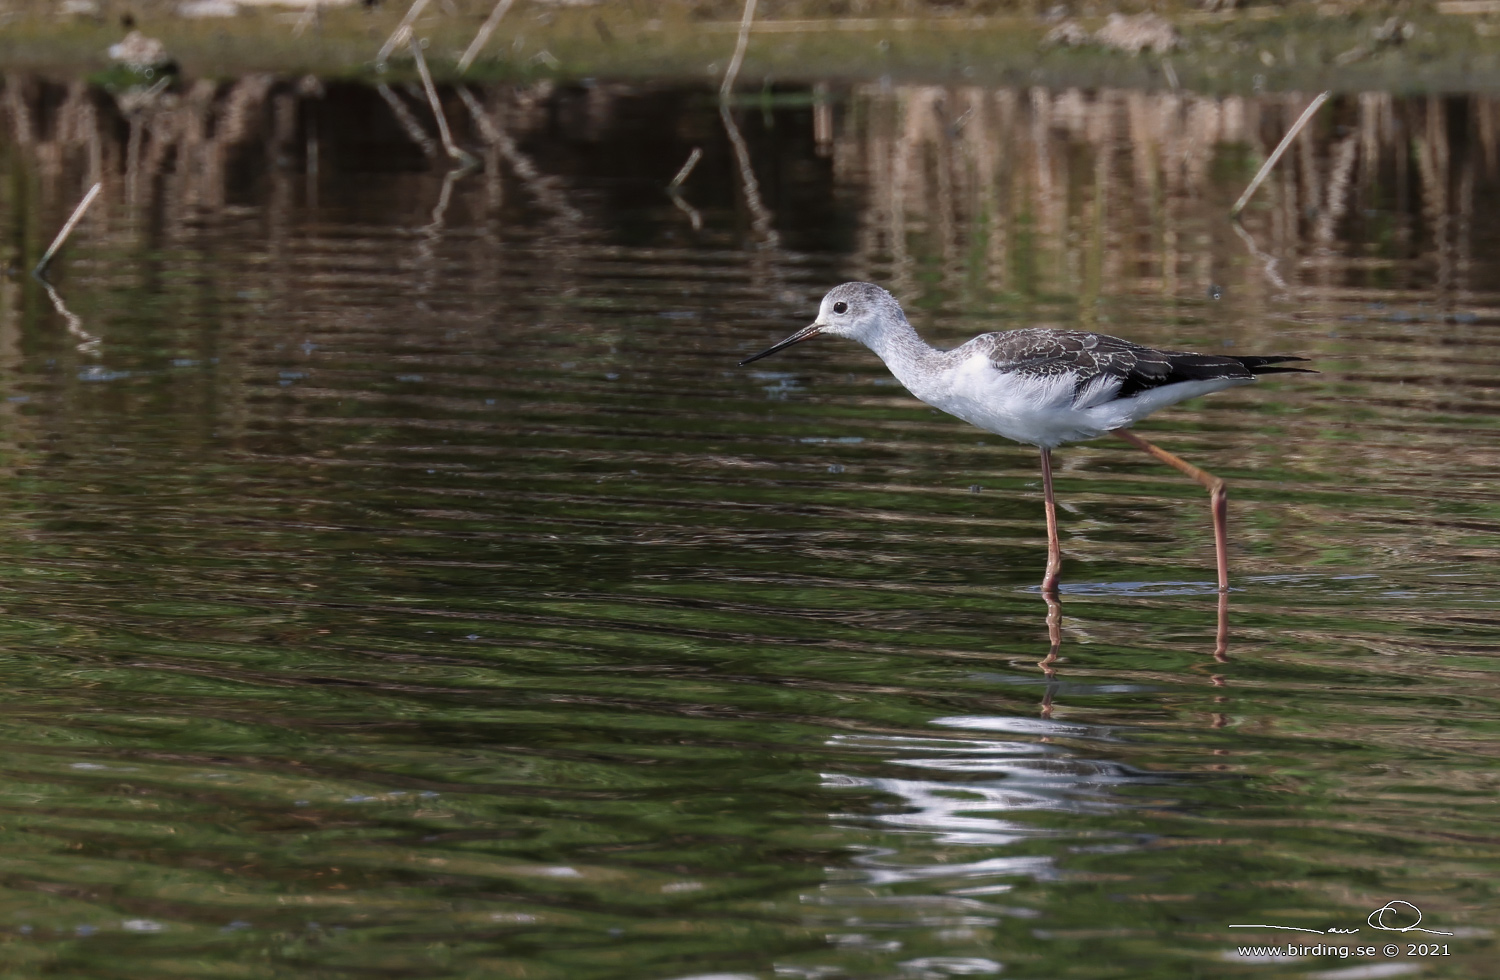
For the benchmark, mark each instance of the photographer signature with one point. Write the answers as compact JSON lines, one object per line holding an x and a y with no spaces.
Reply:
{"x":1383,"y":919}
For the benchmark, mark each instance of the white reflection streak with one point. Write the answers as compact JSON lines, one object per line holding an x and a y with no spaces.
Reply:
{"x":432,"y":232}
{"x":409,"y":124}
{"x":694,"y":217}
{"x":1268,"y":263}
{"x":1025,"y":726}
{"x":674,"y":190}
{"x":891,"y":874}
{"x":1023,"y":777}
{"x":959,"y":745}
{"x":942,"y":809}
{"x":87,"y":343}
{"x":760,"y":218}
{"x":539,"y":185}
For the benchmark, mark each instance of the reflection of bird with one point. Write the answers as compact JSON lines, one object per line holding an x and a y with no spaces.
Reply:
{"x":1040,"y":386}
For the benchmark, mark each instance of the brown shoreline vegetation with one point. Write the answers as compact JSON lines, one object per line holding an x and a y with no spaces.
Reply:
{"x":1220,"y":45}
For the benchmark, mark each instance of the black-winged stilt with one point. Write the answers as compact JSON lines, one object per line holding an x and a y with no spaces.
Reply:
{"x":1041,"y":387}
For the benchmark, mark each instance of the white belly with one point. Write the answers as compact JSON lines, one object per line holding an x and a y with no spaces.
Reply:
{"x":1045,"y":411}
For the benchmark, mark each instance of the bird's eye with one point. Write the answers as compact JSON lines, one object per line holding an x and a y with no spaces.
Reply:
{"x":841,"y":307}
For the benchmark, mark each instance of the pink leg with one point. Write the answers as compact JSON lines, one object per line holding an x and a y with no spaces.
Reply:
{"x":1054,"y":549}
{"x":1218,"y":499}
{"x":1221,"y":635}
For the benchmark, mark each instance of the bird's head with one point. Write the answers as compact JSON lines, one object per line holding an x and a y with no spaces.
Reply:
{"x":854,"y":309}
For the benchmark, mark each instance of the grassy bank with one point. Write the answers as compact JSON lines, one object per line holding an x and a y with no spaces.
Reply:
{"x":1450,"y":46}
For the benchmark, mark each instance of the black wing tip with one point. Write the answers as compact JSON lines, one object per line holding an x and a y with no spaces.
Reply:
{"x":1274,"y":364}
{"x":1185,"y":366}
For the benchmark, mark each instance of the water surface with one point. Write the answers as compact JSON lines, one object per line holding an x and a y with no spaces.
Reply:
{"x":401,"y":579}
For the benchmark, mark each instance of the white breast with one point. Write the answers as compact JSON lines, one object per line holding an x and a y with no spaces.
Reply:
{"x":1045,"y":411}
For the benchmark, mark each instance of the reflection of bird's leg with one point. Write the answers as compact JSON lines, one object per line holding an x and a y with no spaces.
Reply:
{"x":1054,"y":550}
{"x":1218,"y":498}
{"x":1221,"y":654}
{"x":1054,"y":632}
{"x":1054,"y":637}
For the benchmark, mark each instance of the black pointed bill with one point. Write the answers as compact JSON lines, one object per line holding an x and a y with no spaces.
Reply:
{"x":806,"y":333}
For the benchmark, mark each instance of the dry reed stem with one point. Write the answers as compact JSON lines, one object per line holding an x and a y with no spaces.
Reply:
{"x":483,"y":37}
{"x":468,"y":160}
{"x":67,"y":229}
{"x":739,"y":50}
{"x":310,"y":15}
{"x":760,"y":217}
{"x":1286,"y":141}
{"x":402,"y":31}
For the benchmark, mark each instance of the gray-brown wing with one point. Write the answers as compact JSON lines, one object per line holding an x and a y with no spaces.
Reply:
{"x":1042,"y":353}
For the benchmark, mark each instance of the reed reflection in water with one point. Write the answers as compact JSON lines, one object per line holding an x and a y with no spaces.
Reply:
{"x":399,"y":576}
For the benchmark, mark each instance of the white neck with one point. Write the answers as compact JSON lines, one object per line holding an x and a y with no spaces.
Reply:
{"x":905,"y":353}
{"x":897,"y":342}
